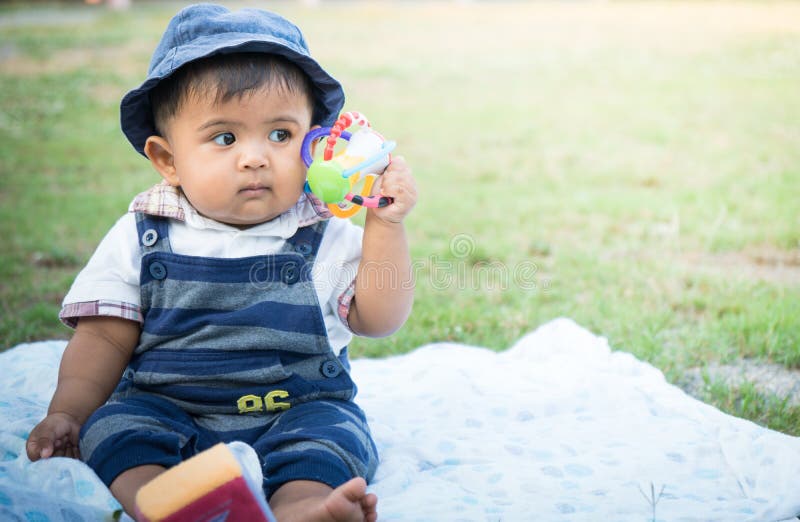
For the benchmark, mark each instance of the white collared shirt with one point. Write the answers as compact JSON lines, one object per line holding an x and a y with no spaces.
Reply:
{"x":109,"y":283}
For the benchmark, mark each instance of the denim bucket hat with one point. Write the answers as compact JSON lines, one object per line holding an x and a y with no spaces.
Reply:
{"x":203,"y":30}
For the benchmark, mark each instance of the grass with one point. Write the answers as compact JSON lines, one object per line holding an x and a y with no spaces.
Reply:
{"x":631,"y":165}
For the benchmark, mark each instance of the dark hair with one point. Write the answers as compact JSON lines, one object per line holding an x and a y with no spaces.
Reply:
{"x":226,"y":76}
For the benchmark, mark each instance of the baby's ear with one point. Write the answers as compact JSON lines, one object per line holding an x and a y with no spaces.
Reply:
{"x":314,"y":143}
{"x":159,"y":152}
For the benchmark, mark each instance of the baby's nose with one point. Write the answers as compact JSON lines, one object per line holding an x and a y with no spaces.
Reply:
{"x":253,"y":156}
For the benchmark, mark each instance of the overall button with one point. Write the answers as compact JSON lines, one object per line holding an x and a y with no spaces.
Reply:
{"x":290,"y":274}
{"x":330,"y":369}
{"x":303,"y":248}
{"x":158,"y":270}
{"x":149,"y":237}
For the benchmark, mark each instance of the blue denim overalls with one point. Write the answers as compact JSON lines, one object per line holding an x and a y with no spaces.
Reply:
{"x":232,"y":349}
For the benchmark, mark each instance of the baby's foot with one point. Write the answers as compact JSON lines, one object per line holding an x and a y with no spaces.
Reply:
{"x":350,"y":502}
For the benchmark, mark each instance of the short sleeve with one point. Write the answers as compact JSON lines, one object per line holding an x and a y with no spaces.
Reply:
{"x":335,"y":269}
{"x":109,"y":283}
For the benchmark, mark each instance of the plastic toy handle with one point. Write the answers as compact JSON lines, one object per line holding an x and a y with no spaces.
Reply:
{"x":386,"y":148}
{"x":311,"y":137}
{"x":369,"y":201}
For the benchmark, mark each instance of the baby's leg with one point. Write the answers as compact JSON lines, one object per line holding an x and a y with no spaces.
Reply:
{"x":130,"y":441}
{"x":126,"y":485}
{"x":305,"y":500}
{"x":310,"y":458}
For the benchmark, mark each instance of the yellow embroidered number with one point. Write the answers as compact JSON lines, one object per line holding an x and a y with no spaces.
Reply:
{"x":250,"y":403}
{"x":272,"y":404}
{"x":254,"y":403}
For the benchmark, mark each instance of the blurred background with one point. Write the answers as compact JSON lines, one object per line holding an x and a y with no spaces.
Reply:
{"x":634,"y":166}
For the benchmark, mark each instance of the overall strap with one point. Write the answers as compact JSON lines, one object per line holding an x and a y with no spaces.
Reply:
{"x":306,"y":240}
{"x":153,"y":233}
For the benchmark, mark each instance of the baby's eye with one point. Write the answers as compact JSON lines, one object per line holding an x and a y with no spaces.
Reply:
{"x":279,"y":135}
{"x":226,"y":138}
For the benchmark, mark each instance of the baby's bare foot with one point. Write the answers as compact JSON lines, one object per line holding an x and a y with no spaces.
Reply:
{"x":350,"y":501}
{"x":303,"y":501}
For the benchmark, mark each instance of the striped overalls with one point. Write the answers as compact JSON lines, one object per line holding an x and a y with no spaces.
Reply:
{"x":232,"y":349}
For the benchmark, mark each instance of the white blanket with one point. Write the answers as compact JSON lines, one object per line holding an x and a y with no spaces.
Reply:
{"x":558,"y":427}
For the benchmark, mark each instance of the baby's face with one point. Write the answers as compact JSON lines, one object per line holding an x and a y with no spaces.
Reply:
{"x":238,"y":162}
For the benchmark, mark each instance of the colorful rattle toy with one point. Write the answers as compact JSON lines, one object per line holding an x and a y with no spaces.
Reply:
{"x":332,"y":177}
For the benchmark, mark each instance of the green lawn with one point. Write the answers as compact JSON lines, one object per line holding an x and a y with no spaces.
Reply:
{"x":634,"y":166}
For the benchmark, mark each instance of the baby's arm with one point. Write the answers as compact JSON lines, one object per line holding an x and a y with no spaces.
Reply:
{"x":384,"y":290}
{"x":91,"y":368}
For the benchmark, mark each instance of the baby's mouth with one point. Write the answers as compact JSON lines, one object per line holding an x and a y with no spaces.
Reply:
{"x":255,"y":189}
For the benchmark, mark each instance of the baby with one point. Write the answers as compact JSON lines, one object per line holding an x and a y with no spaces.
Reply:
{"x":220,"y":307}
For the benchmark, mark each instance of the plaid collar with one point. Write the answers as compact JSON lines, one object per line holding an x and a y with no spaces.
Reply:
{"x":164,"y":200}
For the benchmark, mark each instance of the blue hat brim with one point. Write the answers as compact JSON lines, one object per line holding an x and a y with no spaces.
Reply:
{"x":136,"y":114}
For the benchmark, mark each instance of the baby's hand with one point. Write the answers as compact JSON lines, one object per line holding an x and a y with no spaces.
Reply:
{"x":398,"y":184}
{"x":55,"y":436}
